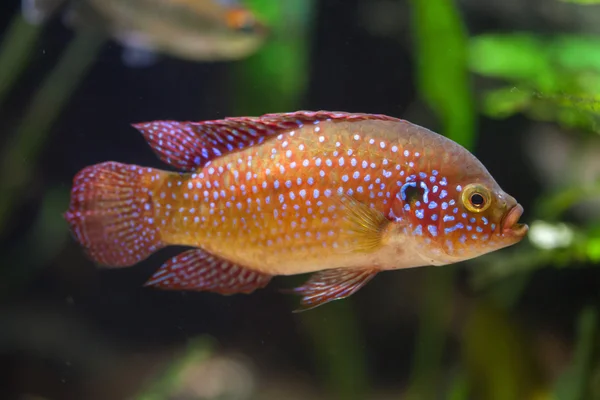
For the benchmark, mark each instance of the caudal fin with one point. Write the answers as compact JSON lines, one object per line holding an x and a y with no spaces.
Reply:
{"x":112,"y":214}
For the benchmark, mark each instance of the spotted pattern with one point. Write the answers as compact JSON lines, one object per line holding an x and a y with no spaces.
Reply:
{"x":268,"y":190}
{"x":284,"y":194}
{"x":198,"y":270}
{"x":123,"y":193}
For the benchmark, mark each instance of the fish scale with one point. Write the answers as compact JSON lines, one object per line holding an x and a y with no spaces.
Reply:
{"x":342,"y":195}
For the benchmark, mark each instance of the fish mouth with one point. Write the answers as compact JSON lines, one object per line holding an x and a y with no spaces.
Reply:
{"x":511,"y":225}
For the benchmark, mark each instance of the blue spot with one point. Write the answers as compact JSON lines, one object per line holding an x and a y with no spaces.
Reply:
{"x":464,"y":215}
{"x":197,"y":160}
{"x":485,"y":221}
{"x":423,"y":175}
{"x":448,"y":218}
{"x":472,"y":220}
{"x":434,"y":217}
{"x":455,"y":227}
{"x":444,"y":205}
{"x":434,"y":172}
{"x":418,"y":203}
{"x":420,"y":214}
{"x":418,"y":231}
{"x":407,"y":207}
{"x":432,"y":205}
{"x":426,"y":193}
{"x":432,"y":229}
{"x":451,"y":202}
{"x":479,"y":229}
{"x":443,"y":194}
{"x":435,"y":189}
{"x":455,"y":211}
{"x":443,"y":181}
{"x":474,"y":236}
{"x":463,"y":238}
{"x":493,"y":226}
{"x":458,"y":188}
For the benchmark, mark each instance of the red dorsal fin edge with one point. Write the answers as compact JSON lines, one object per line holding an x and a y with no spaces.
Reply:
{"x":189,"y":145}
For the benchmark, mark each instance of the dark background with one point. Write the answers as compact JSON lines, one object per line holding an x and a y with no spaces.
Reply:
{"x":57,"y":324}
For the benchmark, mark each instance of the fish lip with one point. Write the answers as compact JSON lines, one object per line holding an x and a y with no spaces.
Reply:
{"x":510,"y":223}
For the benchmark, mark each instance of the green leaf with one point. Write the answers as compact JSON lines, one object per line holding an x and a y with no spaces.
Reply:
{"x":572,"y":385}
{"x":520,"y":57}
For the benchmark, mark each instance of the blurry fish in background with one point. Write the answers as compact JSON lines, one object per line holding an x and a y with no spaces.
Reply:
{"x":343,"y":196}
{"x":193,"y":30}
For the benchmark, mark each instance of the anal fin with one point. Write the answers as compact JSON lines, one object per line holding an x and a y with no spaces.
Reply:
{"x":197,"y":270}
{"x":333,"y":284}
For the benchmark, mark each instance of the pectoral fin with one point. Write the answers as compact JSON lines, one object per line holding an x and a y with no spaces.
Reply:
{"x":196,"y":270}
{"x":365,"y":226}
{"x":333,"y":284}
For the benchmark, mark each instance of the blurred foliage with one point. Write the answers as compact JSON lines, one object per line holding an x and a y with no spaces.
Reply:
{"x":574,"y":384}
{"x":15,"y":52}
{"x":549,"y":78}
{"x":275,"y":78}
{"x":48,"y":235}
{"x":441,"y":65}
{"x":507,"y":369}
{"x":165,"y":384}
{"x":553,"y":79}
{"x":583,"y":2}
{"x":19,"y":156}
{"x":442,"y":74}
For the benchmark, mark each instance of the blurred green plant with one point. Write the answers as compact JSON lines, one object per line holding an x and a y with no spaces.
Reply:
{"x":47,"y":236}
{"x":169,"y":381}
{"x":499,"y":357}
{"x":443,"y":83}
{"x":20,"y":155}
{"x":275,"y":78}
{"x":15,"y":52}
{"x":582,"y":2}
{"x":554,"y":79}
{"x":574,"y":383}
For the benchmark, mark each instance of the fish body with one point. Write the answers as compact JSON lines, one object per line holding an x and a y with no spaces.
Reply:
{"x":196,"y":30}
{"x":344,"y":196}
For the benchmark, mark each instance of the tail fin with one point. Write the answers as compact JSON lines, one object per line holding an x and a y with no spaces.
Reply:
{"x":112,"y":214}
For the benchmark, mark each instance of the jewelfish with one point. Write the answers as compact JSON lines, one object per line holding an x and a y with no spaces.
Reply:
{"x":195,"y":30}
{"x":343,"y":196}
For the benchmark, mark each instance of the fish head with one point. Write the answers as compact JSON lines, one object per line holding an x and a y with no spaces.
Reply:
{"x":244,"y":22}
{"x":196,"y":30}
{"x":457,"y":211}
{"x":239,"y":34}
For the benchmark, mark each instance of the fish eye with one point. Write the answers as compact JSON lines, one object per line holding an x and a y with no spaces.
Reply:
{"x":241,"y":21}
{"x":476,"y":198}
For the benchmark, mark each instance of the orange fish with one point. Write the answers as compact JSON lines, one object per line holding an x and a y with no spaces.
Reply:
{"x":342,"y":195}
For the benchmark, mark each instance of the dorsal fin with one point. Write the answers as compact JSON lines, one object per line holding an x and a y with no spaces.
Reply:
{"x":190,"y":145}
